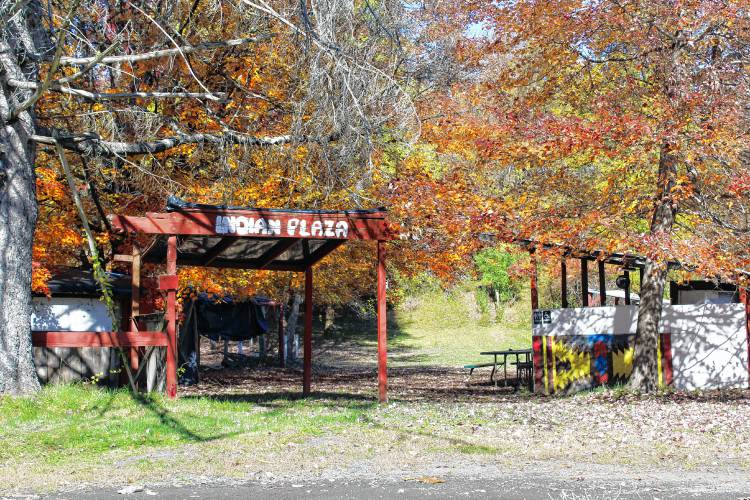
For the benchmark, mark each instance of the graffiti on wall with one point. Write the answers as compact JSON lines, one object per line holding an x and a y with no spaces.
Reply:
{"x":569,"y":363}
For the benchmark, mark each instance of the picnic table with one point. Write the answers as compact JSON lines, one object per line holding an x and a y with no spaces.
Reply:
{"x":523,"y":367}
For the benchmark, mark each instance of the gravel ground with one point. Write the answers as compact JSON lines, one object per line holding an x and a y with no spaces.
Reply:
{"x":437,"y":437}
{"x":460,"y":480}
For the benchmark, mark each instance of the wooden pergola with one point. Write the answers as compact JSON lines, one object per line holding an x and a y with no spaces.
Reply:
{"x":242,"y":238}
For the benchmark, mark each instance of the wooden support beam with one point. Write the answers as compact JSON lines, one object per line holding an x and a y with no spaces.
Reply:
{"x":382,"y":327}
{"x":218,"y":249}
{"x":745,"y":299}
{"x":585,"y":282}
{"x":277,"y":223}
{"x":135,"y":299}
{"x":564,"y":281}
{"x":307,"y":341}
{"x":172,"y":320}
{"x":275,"y":251}
{"x":98,"y":339}
{"x":627,"y":287}
{"x":534,"y":291}
{"x":602,"y":284}
{"x":323,"y":250}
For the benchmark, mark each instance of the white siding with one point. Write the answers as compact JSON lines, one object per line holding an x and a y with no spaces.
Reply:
{"x":69,"y":314}
{"x":709,"y":341}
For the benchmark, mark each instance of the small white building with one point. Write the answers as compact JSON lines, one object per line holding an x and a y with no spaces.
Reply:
{"x":74,"y":306}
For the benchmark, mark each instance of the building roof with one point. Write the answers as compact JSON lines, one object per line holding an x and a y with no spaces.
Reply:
{"x":252,"y":238}
{"x":80,"y":282}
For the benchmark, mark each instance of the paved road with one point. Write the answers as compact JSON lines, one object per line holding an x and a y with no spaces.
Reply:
{"x":511,"y":488}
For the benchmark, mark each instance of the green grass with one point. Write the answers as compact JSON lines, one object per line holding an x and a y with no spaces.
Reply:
{"x":77,"y":422}
{"x":446,"y":329}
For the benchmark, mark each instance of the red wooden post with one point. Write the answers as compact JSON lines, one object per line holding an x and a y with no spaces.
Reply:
{"x":135,"y":301}
{"x":666,"y":353}
{"x":282,"y":354}
{"x":745,"y":299}
{"x":172,"y":320}
{"x":585,"y":282}
{"x":538,"y":360}
{"x":135,"y":287}
{"x":382,"y":328}
{"x":307,"y":341}
{"x":534,"y":291}
{"x":564,"y":281}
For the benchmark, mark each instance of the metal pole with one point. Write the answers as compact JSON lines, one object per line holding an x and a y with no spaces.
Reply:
{"x":602,"y":285}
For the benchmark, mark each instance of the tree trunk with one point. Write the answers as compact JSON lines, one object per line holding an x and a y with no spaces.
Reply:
{"x":329,"y":317}
{"x":291,"y":326}
{"x":645,"y":375}
{"x":20,"y":46}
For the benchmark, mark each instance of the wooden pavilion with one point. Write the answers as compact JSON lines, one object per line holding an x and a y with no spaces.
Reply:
{"x":704,"y":337}
{"x":242,"y":238}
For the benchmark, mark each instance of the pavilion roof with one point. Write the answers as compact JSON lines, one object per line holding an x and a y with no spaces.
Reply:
{"x":252,"y":238}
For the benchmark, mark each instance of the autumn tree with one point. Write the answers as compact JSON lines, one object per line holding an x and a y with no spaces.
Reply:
{"x":133,"y":99}
{"x":616,"y":125}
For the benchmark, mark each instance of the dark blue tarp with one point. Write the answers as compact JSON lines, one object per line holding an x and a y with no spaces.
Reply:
{"x":220,"y":318}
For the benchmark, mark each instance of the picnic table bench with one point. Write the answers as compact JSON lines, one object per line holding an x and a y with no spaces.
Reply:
{"x":523,"y":367}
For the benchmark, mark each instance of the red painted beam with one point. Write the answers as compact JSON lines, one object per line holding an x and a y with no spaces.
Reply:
{"x":172,"y":320}
{"x":258,"y":224}
{"x":538,"y":361}
{"x":168,"y":282}
{"x":564,"y":281}
{"x":382,"y":328}
{"x":745,"y":299}
{"x":307,"y":341}
{"x":666,"y":352}
{"x":98,"y":339}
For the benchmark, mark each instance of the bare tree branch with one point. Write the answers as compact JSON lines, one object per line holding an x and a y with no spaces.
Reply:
{"x":91,"y":144}
{"x":104,"y":96}
{"x":53,"y":68}
{"x":97,"y":59}
{"x":131,"y":58}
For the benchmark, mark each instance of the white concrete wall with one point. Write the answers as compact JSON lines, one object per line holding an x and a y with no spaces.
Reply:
{"x":709,"y":341}
{"x":69,"y":314}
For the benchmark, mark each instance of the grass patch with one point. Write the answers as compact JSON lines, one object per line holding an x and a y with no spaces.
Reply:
{"x":76,"y":422}
{"x":447,"y":328}
{"x":477,"y":449}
